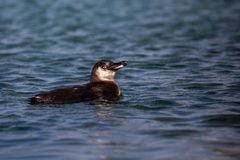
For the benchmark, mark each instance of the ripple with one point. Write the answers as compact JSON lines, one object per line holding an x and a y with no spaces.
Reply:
{"x":172,"y":133}
{"x":168,"y":119}
{"x":203,"y":86}
{"x":222,"y":120}
{"x":159,"y":106}
{"x":162,"y":102}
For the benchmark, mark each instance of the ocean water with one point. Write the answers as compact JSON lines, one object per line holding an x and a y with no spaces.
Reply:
{"x":180,"y":92}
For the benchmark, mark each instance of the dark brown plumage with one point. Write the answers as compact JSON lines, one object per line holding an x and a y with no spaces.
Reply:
{"x":101,"y":87}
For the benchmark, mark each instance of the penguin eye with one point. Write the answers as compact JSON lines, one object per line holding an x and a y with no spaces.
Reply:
{"x":104,"y":67}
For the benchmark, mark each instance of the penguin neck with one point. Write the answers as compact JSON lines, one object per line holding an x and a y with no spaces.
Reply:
{"x":94,"y":78}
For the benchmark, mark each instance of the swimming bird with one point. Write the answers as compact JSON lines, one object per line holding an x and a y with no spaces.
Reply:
{"x":102,"y":86}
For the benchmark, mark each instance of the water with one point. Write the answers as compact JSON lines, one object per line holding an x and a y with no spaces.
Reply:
{"x":181,"y":89}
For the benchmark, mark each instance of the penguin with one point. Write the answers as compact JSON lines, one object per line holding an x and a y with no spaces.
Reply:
{"x":102,"y":87}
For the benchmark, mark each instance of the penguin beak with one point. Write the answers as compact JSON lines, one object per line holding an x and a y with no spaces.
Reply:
{"x":118,"y":65}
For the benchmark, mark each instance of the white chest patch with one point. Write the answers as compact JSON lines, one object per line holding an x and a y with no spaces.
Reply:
{"x":105,"y":75}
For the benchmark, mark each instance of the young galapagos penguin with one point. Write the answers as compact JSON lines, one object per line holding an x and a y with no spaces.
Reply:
{"x":102,"y":86}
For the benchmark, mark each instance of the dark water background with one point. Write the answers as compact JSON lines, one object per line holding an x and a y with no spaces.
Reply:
{"x":181,"y":89}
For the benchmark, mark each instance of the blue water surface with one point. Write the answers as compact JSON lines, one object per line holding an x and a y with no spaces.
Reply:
{"x":180,"y":92}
